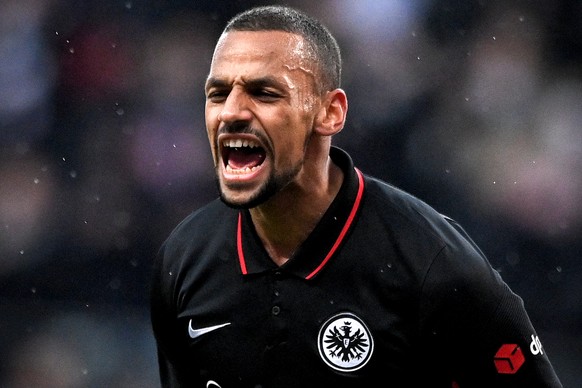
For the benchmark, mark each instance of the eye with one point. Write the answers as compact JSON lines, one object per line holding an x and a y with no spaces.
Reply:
{"x":265,"y":95}
{"x":217,"y":95}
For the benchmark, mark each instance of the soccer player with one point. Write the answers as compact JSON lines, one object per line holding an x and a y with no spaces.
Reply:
{"x":307,"y":272}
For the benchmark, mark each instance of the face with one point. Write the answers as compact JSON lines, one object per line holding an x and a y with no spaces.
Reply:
{"x":260,"y":110}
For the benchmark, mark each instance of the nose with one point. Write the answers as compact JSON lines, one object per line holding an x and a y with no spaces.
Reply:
{"x":235,"y":108}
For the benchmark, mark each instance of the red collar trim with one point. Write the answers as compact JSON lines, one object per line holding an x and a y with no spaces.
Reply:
{"x":349,"y":221}
{"x":241,"y":254}
{"x":346,"y":226}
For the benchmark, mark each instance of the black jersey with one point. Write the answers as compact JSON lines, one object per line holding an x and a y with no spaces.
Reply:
{"x":384,"y":291}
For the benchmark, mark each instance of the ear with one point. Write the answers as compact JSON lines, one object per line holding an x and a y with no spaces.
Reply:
{"x":331,"y":117}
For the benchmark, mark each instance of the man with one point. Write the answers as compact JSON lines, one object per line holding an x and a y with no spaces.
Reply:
{"x":308,"y":273}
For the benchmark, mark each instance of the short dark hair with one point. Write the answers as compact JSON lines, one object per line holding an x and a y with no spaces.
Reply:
{"x":317,"y":36}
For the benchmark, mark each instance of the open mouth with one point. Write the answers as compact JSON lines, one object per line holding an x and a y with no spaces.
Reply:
{"x":242,"y":156}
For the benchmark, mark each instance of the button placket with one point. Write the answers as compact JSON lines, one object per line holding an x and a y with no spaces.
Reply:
{"x":276,"y":308}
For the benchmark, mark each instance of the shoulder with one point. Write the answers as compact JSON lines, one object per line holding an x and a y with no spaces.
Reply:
{"x":408,"y":218}
{"x":211,"y":226}
{"x":436,"y":243}
{"x":209,"y":216}
{"x":455,"y":277}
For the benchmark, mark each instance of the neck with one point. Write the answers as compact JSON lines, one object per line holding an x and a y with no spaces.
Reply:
{"x":285,"y":221}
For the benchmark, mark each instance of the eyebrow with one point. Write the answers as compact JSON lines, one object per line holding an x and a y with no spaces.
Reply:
{"x":215,"y":82}
{"x":252,"y":83}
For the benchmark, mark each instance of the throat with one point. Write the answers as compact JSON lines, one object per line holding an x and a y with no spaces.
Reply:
{"x":279,"y":254}
{"x":279,"y":261}
{"x":280,"y":239}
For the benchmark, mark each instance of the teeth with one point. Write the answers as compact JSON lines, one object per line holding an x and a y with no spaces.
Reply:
{"x":237,"y":143}
{"x":245,"y":170}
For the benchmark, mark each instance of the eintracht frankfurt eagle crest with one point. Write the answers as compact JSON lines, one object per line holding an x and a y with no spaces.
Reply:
{"x":345,"y":343}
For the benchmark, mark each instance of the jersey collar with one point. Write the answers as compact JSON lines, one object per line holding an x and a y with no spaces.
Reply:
{"x":321,"y":245}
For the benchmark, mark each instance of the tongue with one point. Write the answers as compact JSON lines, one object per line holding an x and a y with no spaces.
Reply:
{"x":239,"y":158}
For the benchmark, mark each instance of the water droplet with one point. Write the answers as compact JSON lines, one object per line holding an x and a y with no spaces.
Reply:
{"x":73,"y":174}
{"x":71,"y":50}
{"x":36,"y":181}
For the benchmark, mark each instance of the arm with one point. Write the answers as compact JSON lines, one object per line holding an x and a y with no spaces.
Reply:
{"x":474,"y":320}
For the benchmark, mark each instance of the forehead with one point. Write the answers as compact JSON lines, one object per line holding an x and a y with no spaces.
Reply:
{"x":266,"y":49}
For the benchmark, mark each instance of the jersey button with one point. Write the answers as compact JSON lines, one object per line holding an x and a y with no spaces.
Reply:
{"x":275,"y":310}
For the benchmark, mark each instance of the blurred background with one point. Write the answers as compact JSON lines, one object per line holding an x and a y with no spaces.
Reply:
{"x":473,"y":106}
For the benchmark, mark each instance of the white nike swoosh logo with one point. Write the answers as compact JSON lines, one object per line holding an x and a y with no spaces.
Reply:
{"x":195,"y":333}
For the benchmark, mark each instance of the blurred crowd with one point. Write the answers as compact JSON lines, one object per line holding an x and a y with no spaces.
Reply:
{"x":473,"y":106}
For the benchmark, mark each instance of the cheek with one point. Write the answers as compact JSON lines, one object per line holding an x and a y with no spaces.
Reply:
{"x":211,"y":121}
{"x":290,"y":143}
{"x":210,"y":114}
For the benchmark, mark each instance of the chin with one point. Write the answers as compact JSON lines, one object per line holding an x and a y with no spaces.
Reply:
{"x":248,"y":201}
{"x":234,"y":204}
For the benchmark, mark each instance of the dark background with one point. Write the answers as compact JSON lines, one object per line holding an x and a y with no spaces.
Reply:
{"x":473,"y":106}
